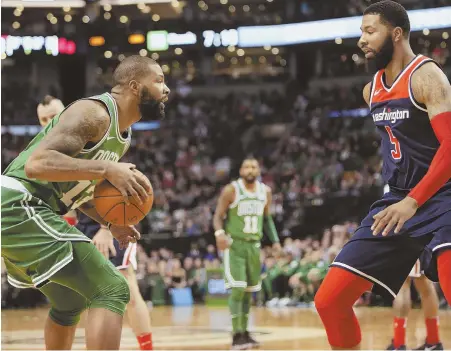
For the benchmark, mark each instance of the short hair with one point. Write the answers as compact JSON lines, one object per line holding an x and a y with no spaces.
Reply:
{"x":132,"y":68}
{"x":391,"y":13}
{"x":249,"y":158}
{"x":47,"y":100}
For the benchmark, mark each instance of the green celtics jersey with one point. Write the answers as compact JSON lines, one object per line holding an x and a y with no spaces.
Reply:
{"x":245,"y":215}
{"x":65,"y":196}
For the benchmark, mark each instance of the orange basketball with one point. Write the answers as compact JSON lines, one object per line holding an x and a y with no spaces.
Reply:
{"x":110,"y":205}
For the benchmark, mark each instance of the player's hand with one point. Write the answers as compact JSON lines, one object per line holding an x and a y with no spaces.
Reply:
{"x":394,"y":216}
{"x":277,"y":248}
{"x":222,"y":242}
{"x":129,"y":181}
{"x":103,"y":241}
{"x":125,"y":235}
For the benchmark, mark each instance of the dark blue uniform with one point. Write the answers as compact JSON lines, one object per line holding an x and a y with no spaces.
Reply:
{"x":408,"y":147}
{"x":123,"y":258}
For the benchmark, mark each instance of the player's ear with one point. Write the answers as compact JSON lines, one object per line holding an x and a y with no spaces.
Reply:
{"x":134,"y":87}
{"x":397,"y":34}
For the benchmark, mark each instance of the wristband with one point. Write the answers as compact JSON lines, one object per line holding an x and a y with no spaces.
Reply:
{"x":219,"y":232}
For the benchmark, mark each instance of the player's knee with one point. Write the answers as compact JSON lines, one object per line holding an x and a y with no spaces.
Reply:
{"x":238,"y":293}
{"x":113,"y":294}
{"x":322,"y":300}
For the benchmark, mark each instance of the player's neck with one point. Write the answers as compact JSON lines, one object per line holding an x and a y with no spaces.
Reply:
{"x":401,"y":59}
{"x":250,"y":186}
{"x":128,"y":112}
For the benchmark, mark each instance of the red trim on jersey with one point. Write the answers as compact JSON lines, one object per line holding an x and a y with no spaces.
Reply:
{"x":440,"y":169}
{"x":400,"y":88}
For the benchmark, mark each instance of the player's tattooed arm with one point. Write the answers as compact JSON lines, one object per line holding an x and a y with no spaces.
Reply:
{"x":225,"y":200}
{"x":431,"y":87}
{"x":53,"y":159}
{"x":367,"y":93}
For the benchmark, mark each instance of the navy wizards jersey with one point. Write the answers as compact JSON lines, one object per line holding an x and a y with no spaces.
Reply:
{"x":408,"y":140}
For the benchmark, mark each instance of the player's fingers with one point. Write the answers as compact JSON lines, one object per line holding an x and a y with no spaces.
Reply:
{"x":131,"y":165}
{"x":390,"y":225}
{"x":104,"y":250}
{"x":134,"y":233}
{"x":143,"y":194}
{"x":131,"y":190}
{"x":144,"y":181}
{"x":400,"y":225}
{"x":125,"y":196}
{"x":381,"y":224}
{"x":377,"y":218}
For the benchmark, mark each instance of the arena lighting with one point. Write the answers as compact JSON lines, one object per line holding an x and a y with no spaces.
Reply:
{"x":52,"y":45}
{"x":160,"y":40}
{"x":97,"y":41}
{"x":136,"y":39}
{"x":349,"y":27}
{"x":43,"y":3}
{"x":132,"y":2}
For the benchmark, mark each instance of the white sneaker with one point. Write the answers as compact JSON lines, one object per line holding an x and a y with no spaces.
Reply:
{"x":273,"y":302}
{"x":284,"y":302}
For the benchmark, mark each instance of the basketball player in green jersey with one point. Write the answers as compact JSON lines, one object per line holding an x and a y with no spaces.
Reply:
{"x":57,"y":173}
{"x":245,"y":206}
{"x":136,"y":311}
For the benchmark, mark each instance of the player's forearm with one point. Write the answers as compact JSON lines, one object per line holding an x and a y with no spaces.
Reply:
{"x":218,"y":223}
{"x":89,"y":210}
{"x":271,"y":230}
{"x":54,"y":166}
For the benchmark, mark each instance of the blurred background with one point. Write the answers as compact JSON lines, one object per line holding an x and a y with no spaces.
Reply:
{"x":277,"y":79}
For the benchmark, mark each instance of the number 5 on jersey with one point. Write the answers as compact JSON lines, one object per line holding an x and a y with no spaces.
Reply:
{"x":396,"y":153}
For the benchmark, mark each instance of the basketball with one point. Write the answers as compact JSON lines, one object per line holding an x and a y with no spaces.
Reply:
{"x":110,"y":205}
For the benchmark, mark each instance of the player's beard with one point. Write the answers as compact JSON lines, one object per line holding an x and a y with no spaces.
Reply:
{"x":250,"y":179}
{"x":150,"y":108}
{"x":383,"y":57}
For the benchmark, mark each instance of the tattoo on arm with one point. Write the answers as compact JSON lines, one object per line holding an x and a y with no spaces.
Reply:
{"x":431,"y":87}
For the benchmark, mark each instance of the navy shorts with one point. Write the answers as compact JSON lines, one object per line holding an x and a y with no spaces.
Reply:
{"x":123,"y":258}
{"x":387,"y":261}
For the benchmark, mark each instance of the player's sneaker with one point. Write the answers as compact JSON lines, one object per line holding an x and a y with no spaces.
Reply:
{"x":427,"y":346}
{"x":392,"y":347}
{"x":239,"y":342}
{"x":250,"y":340}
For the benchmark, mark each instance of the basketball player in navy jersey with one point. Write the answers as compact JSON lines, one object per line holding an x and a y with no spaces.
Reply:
{"x":410,"y":103}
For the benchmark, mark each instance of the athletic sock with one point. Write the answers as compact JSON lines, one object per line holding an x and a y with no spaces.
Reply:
{"x":432,"y":337}
{"x":246,"y":309}
{"x":399,"y":325}
{"x":236,"y":310}
{"x":145,"y":341}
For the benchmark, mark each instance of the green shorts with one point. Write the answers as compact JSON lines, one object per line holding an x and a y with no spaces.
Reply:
{"x":36,"y":242}
{"x":242,"y":267}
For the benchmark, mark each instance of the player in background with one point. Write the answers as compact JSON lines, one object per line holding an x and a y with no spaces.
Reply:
{"x":57,"y":172}
{"x":410,"y":103}
{"x":403,"y":304}
{"x":243,"y":208}
{"x":48,"y":108}
{"x":125,"y":261}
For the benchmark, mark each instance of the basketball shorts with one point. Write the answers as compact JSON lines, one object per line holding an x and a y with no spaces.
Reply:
{"x":36,"y":242}
{"x":416,"y":271}
{"x":242,"y":267}
{"x":124,"y":257}
{"x":387,"y":261}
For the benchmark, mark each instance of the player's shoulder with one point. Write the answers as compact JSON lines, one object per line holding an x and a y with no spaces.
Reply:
{"x":89,"y":107}
{"x":427,"y":78}
{"x":267,"y":188}
{"x":367,"y":93}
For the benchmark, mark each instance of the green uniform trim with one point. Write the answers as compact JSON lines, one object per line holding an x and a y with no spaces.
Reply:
{"x":271,"y":229}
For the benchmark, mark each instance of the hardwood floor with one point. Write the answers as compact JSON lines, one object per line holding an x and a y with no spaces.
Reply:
{"x":202,"y":328}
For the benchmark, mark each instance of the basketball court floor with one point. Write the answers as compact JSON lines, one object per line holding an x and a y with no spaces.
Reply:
{"x":202,"y":328}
